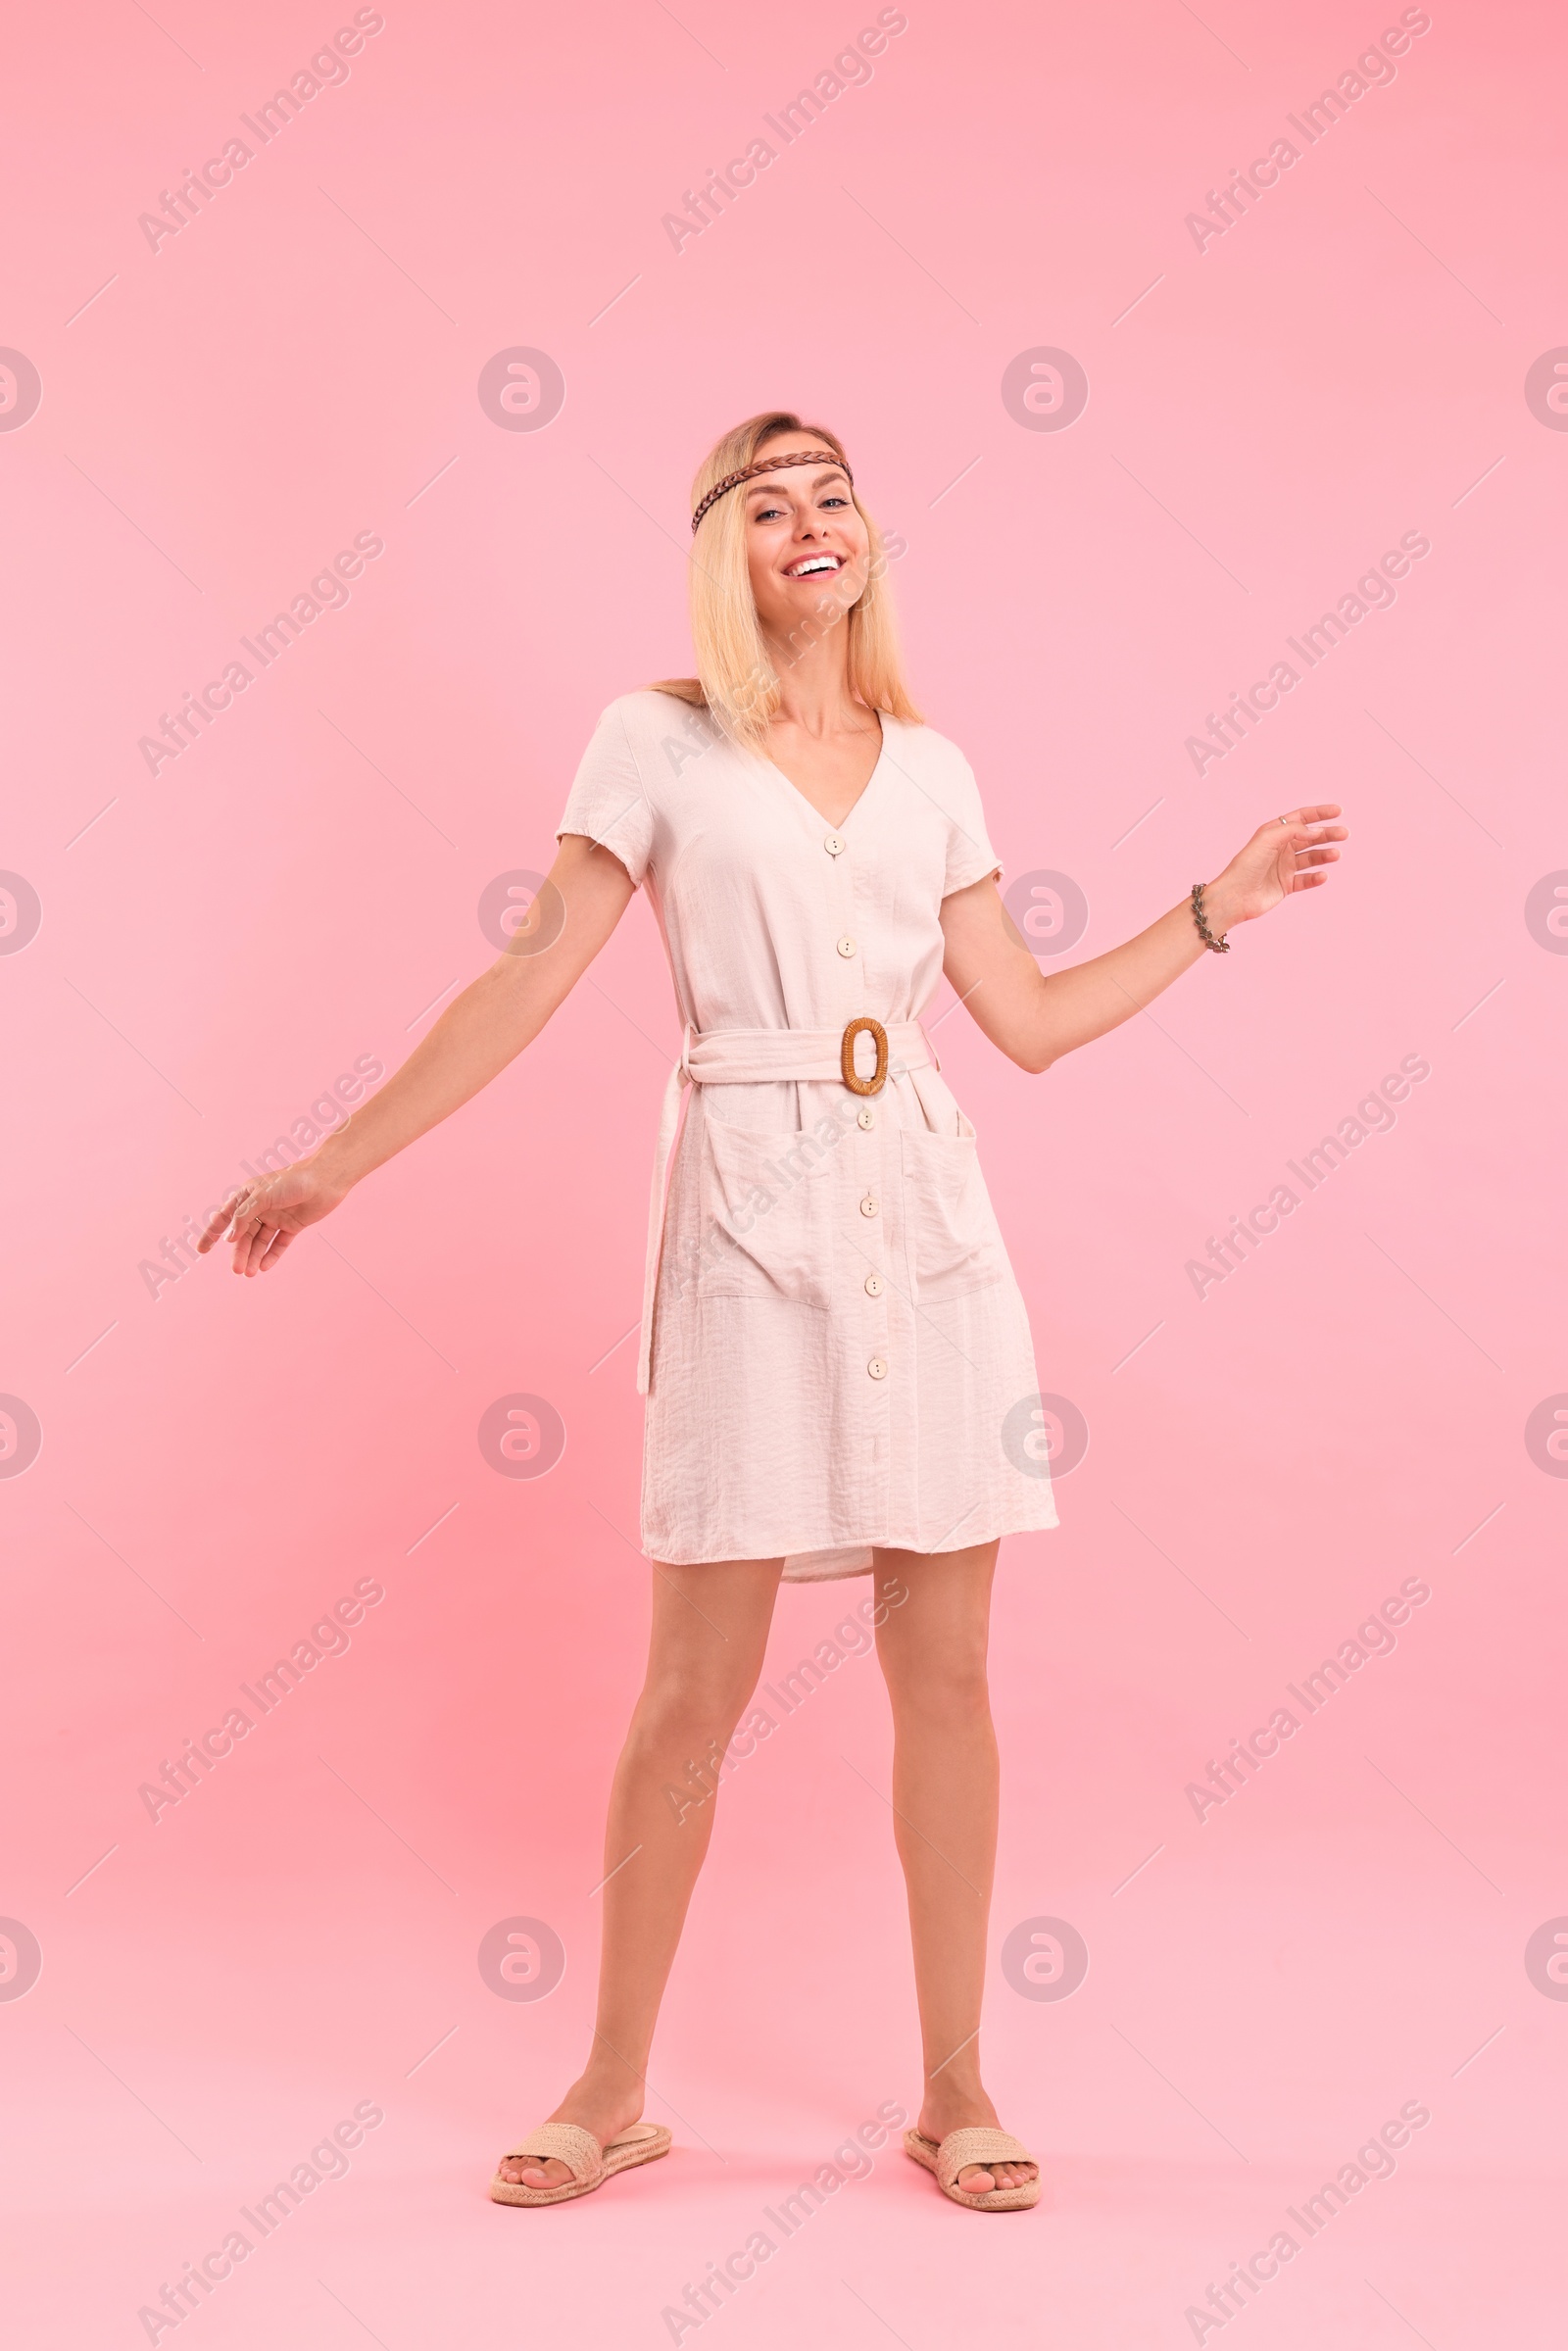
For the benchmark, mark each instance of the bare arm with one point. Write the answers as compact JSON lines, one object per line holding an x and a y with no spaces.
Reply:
{"x":586,"y":894}
{"x":1035,"y":1018}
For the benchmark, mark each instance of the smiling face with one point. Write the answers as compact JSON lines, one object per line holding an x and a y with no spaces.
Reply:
{"x":808,"y":549}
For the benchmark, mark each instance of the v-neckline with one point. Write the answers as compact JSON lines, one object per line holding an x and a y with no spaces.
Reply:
{"x":811,"y":806}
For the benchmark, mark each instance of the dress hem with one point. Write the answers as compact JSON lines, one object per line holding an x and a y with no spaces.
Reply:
{"x":866,"y":1544}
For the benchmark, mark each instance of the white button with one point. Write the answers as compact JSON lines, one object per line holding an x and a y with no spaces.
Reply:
{"x":846,"y":947}
{"x":868,"y":1206}
{"x":877,"y":1368}
{"x":867,"y":1119}
{"x":873,"y":1285}
{"x":835,"y":845}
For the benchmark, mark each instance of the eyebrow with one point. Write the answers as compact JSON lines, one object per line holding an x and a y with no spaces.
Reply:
{"x":827,"y":475}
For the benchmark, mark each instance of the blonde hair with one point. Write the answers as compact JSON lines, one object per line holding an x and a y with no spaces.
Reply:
{"x":736,"y":681}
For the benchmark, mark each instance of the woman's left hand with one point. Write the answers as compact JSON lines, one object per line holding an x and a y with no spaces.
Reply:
{"x":1284,"y":855}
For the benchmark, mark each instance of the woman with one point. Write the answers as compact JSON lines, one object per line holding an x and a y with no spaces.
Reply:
{"x":834,"y":1349}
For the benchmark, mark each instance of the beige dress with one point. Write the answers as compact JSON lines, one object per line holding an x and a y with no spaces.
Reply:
{"x":835,"y":1351}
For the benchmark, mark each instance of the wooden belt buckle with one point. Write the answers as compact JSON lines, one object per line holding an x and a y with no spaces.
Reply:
{"x":879,"y":1037}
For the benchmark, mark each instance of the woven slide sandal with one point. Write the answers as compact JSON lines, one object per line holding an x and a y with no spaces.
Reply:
{"x":589,"y":2163}
{"x":982,"y":2144}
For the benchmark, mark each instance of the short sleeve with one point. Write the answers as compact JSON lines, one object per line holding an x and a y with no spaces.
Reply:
{"x":606,"y":800}
{"x":971,"y":856}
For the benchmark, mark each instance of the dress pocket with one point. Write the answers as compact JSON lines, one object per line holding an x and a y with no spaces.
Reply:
{"x":951,"y":1231}
{"x":766,"y":1214}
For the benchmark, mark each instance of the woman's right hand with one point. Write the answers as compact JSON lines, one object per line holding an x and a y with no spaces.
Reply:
{"x":587,"y":892}
{"x":264,"y":1216}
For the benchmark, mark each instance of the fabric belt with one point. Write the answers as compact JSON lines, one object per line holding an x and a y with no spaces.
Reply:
{"x":749,"y":1058}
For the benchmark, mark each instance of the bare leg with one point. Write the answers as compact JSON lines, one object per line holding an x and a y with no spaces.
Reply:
{"x":705,"y":1652}
{"x":932,"y":1647}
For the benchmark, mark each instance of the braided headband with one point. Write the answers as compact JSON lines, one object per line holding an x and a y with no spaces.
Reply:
{"x":771,"y":464}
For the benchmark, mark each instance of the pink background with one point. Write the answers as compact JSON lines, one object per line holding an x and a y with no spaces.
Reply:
{"x":299,"y":889}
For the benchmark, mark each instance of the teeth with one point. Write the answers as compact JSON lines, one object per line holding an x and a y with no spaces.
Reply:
{"x":821,"y":563}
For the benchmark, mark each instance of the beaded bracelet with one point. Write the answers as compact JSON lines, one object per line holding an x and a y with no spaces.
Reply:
{"x":1221,"y":946}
